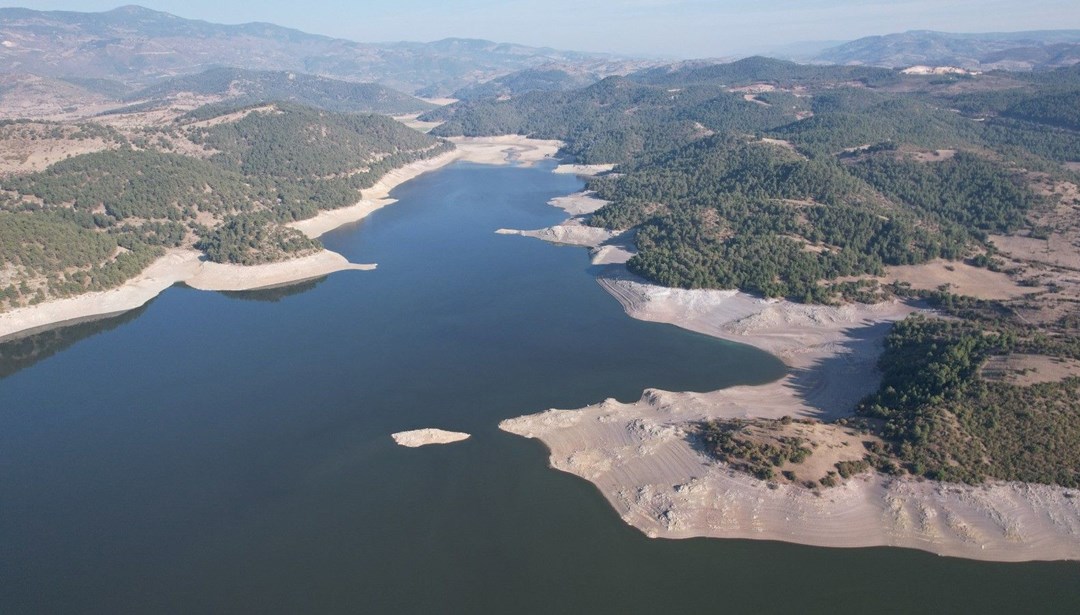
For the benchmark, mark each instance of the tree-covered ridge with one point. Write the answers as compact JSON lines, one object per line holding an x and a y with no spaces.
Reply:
{"x":844,"y":199}
{"x":44,"y":129}
{"x":1031,"y":116}
{"x":821,"y":110}
{"x":544,"y":79}
{"x":126,"y":183}
{"x":857,"y":118}
{"x":241,"y":86}
{"x":615,"y":119}
{"x":973,"y":194}
{"x":727,"y":212}
{"x":1058,"y":109}
{"x":758,"y":69}
{"x":49,"y":243}
{"x":294,"y":142}
{"x":91,"y":221}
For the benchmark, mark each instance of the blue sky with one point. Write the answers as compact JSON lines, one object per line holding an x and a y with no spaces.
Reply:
{"x":676,"y":28}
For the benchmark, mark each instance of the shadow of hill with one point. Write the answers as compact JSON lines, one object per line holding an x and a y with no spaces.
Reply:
{"x":833,"y":385}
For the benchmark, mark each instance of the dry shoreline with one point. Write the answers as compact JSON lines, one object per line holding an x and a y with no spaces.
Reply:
{"x":177,"y":265}
{"x":639,"y":456}
{"x":487,"y":150}
{"x":182,"y":265}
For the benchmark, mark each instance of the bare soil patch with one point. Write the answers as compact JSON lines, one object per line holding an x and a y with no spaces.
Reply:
{"x":958,"y":278}
{"x":1029,"y":369}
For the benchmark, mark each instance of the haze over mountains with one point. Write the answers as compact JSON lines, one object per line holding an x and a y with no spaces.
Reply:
{"x":139,"y":46}
{"x":56,"y":61}
{"x":1017,"y":51}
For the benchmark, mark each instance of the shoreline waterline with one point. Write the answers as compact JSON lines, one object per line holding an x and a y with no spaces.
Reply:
{"x":640,"y":457}
{"x":190,"y":267}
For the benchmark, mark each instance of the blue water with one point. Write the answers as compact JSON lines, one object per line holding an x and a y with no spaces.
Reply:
{"x":231,"y":452}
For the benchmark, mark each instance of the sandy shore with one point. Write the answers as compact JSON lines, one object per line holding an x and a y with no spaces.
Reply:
{"x":176,"y":266}
{"x":187,"y":266}
{"x":215,"y":276}
{"x":373,"y":198}
{"x":640,"y":458}
{"x":488,"y":150}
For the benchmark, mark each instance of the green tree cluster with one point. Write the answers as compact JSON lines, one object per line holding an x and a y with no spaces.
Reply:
{"x":946,"y":422}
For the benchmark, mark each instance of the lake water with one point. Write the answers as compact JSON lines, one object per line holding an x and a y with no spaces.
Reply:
{"x":231,"y":452}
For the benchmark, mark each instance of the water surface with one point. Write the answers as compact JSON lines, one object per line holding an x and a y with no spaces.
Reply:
{"x":231,"y":453}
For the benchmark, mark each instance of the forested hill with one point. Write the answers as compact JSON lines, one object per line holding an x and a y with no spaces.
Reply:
{"x":241,"y":87}
{"x":782,"y":179}
{"x":654,"y":110}
{"x":543,"y":79}
{"x":222,"y":179}
{"x":295,"y":142}
{"x":729,"y":212}
{"x":762,"y":70}
{"x":820,"y":109}
{"x":617,"y":119}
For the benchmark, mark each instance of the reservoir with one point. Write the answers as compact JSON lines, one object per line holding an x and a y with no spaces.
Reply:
{"x":231,"y":452}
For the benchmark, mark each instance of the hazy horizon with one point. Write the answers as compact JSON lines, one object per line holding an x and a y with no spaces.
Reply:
{"x":666,"y":28}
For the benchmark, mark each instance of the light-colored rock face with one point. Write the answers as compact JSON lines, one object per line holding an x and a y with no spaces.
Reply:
{"x":584,"y":170}
{"x":424,"y":437}
{"x":578,"y":204}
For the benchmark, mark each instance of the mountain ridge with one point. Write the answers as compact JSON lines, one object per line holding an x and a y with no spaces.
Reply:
{"x":140,"y":46}
{"x":1021,"y":50}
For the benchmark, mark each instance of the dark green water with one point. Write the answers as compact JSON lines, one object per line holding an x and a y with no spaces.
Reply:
{"x":231,"y":452}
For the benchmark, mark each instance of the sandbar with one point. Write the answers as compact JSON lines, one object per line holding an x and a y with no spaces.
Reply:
{"x":424,"y":437}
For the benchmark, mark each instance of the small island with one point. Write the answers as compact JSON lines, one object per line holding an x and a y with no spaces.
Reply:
{"x":423,"y":437}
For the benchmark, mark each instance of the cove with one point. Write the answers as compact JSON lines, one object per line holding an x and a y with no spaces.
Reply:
{"x":231,"y":452}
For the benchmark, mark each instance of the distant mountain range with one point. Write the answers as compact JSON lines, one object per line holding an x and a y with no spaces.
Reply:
{"x":51,"y":61}
{"x":1017,"y":51}
{"x":139,"y":47}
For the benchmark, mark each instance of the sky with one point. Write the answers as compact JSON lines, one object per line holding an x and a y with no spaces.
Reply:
{"x":663,"y":28}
